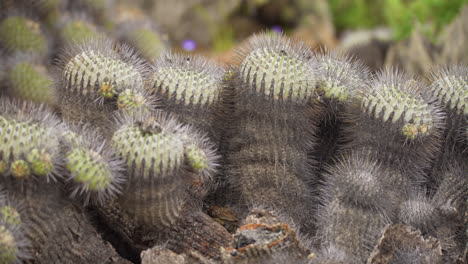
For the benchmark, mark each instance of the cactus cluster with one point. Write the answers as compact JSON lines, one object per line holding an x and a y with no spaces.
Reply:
{"x":289,"y":155}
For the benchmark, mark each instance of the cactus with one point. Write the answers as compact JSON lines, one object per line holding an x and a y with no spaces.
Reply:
{"x":191,"y":87}
{"x":274,"y":127}
{"x":30,"y":142}
{"x":105,"y":70}
{"x":19,"y":33}
{"x":27,"y":78}
{"x":419,"y":212}
{"x":360,"y":181}
{"x":399,"y":121}
{"x":91,"y":167}
{"x":14,"y":247}
{"x":158,"y":152}
{"x":351,"y":229}
{"x":340,"y":77}
{"x":339,"y":80}
{"x":450,"y":86}
{"x":153,"y":151}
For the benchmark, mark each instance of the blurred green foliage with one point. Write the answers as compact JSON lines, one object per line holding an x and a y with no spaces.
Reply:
{"x":400,"y":15}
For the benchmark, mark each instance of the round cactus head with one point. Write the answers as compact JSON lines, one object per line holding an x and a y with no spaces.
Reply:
{"x":19,"y":33}
{"x":359,"y":181}
{"x":104,"y":70}
{"x":339,"y":77}
{"x":450,"y":86}
{"x":93,"y":170}
{"x":78,"y":29}
{"x":26,"y":78}
{"x":396,"y":98}
{"x":132,"y":101}
{"x":10,"y":215}
{"x":150,"y":145}
{"x":419,"y":212}
{"x":275,"y":67}
{"x":30,"y":143}
{"x":186,"y":80}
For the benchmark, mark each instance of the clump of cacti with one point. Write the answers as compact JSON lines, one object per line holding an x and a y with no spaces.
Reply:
{"x":30,"y":142}
{"x":91,"y":166}
{"x":286,"y":155}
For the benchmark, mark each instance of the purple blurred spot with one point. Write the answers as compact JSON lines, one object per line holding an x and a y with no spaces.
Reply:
{"x":189,"y":45}
{"x":277,"y":29}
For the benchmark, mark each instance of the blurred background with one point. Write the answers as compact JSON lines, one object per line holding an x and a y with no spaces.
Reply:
{"x":411,"y":34}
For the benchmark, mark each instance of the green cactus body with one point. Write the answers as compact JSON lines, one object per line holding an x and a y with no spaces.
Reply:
{"x":163,"y":151}
{"x":30,"y":81}
{"x":452,"y":91}
{"x":197,"y":158}
{"x":339,"y":77}
{"x":88,"y":168}
{"x":20,"y":169}
{"x":100,"y":75}
{"x":403,"y":106}
{"x":40,"y":162}
{"x":78,"y":31}
{"x":18,"y":33}
{"x":154,"y":158}
{"x":71,"y":138}
{"x":10,"y":216}
{"x":8,"y":248}
{"x":27,"y":148}
{"x":190,"y":87}
{"x":185,"y":84}
{"x":3,"y":167}
{"x":92,"y":170}
{"x":131,"y":101}
{"x":283,"y":75}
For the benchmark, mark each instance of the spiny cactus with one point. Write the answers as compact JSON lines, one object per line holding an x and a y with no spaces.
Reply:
{"x":25,"y":77}
{"x":274,"y":126}
{"x":340,"y":78}
{"x":162,"y":160}
{"x":191,"y":87}
{"x":419,"y":212}
{"x":399,"y":121}
{"x":450,"y":199}
{"x":93,"y":76}
{"x":153,"y":149}
{"x":29,"y":140}
{"x":360,"y":181}
{"x":275,"y":67}
{"x":47,"y":213}
{"x":14,"y":247}
{"x":91,"y":166}
{"x":18,"y":33}
{"x":351,"y":229}
{"x":450,"y":86}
